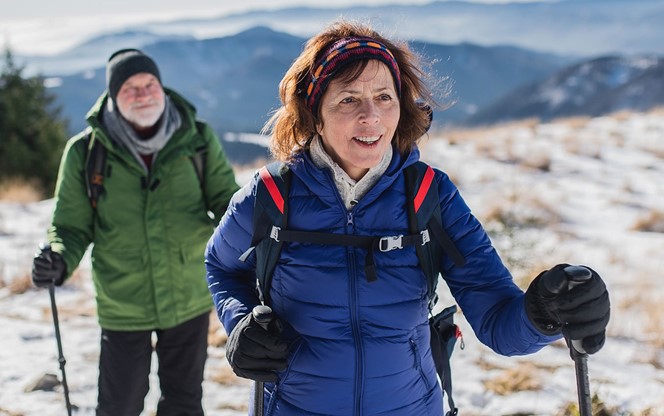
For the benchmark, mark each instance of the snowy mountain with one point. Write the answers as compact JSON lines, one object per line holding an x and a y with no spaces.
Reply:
{"x":583,"y":190}
{"x":596,"y":87}
{"x":233,"y":80}
{"x":92,"y":52}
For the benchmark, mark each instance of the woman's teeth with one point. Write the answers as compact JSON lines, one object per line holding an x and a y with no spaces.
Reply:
{"x":368,"y":139}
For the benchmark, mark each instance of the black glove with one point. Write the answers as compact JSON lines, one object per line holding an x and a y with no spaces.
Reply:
{"x":48,"y":268}
{"x":581,"y":311}
{"x":254,"y":352}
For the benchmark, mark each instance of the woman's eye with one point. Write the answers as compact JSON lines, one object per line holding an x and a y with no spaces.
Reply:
{"x":384,"y":97}
{"x":347,"y":100}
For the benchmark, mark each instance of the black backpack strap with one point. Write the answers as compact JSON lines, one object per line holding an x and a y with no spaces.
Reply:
{"x":444,"y":333}
{"x":370,"y":243}
{"x":424,"y":214}
{"x":199,"y":159}
{"x":270,"y":210}
{"x":95,"y":169}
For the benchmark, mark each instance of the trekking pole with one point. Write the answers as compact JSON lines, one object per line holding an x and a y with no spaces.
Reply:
{"x":578,"y":275}
{"x":262,"y":314}
{"x":61,"y":357}
{"x":56,"y":324}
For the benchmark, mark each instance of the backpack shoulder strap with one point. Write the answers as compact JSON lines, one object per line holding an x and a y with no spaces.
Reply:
{"x":95,"y":168}
{"x":199,"y":160}
{"x":424,"y":214}
{"x":270,"y":212}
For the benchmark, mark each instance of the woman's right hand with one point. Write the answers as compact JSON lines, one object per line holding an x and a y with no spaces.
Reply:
{"x":254,"y":352}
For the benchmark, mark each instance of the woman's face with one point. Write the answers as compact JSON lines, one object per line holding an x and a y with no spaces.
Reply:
{"x":359,"y":119}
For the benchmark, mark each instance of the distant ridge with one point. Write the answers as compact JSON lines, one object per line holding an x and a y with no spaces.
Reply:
{"x":233,"y":81}
{"x":592,"y":88}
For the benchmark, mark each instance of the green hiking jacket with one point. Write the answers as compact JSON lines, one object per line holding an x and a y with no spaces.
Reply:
{"x":149,"y":230}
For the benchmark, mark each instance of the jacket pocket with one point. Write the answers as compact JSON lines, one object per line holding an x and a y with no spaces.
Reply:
{"x":418,"y":362}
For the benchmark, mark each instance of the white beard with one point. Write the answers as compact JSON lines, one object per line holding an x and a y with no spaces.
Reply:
{"x":144,"y":117}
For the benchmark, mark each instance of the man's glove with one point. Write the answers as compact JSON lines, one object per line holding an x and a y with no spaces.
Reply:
{"x":48,"y":267}
{"x":254,"y":352}
{"x":580,"y":310}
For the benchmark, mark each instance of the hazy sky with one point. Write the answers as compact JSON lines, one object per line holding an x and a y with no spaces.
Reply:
{"x":25,"y":9}
{"x":40,"y":27}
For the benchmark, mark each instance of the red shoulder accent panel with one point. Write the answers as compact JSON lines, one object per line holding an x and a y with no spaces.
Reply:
{"x":424,"y":188}
{"x":272,"y":188}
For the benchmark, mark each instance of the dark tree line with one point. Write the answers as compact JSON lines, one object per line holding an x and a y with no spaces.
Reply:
{"x":32,"y":132}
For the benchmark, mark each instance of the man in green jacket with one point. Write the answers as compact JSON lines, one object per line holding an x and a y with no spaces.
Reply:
{"x":149,"y":225}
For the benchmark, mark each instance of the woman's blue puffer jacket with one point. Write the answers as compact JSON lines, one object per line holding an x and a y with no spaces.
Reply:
{"x":362,"y":348}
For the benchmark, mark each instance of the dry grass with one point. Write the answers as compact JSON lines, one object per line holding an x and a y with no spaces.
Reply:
{"x":486,"y":365}
{"x":5,"y":412}
{"x":652,"y":221}
{"x":243,"y":407}
{"x":644,"y":300}
{"x":19,"y":190}
{"x":523,"y":377}
{"x":67,"y":311}
{"x":654,"y":322}
{"x":599,"y":408}
{"x":523,"y":276}
{"x":225,"y":376}
{"x":585,"y":142}
{"x":217,"y":336}
{"x":459,"y":136}
{"x":521,"y":210}
{"x":575,"y":123}
{"x":20,"y":284}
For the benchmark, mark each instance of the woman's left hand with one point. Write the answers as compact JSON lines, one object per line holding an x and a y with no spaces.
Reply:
{"x":556,"y":302}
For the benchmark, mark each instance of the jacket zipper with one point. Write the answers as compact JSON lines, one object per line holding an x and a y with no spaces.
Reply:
{"x":355,"y":324}
{"x":418,"y":361}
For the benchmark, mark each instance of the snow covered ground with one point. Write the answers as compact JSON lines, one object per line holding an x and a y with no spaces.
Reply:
{"x":585,"y":191}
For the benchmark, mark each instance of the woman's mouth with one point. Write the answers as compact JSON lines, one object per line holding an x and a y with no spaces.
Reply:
{"x":367,"y":139}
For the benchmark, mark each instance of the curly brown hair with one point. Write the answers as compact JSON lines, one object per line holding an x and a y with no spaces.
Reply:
{"x":293,"y":125}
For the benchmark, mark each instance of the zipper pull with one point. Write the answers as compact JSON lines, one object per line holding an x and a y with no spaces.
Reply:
{"x":349,"y":218}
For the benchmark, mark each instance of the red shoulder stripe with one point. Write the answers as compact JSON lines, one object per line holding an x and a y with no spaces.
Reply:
{"x":424,"y":188}
{"x":272,"y":188}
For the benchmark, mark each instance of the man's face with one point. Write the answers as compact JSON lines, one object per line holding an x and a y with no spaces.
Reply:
{"x":141,"y":100}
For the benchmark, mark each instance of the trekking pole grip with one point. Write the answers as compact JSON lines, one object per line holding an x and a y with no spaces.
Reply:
{"x":262,"y":314}
{"x":577,"y":276}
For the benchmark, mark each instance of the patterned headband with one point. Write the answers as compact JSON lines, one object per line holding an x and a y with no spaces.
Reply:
{"x":342,"y":53}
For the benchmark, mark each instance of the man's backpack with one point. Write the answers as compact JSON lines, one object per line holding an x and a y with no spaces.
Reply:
{"x":427,"y":235}
{"x":96,"y":170}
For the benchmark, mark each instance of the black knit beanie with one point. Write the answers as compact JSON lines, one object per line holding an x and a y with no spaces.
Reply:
{"x":125,"y":63}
